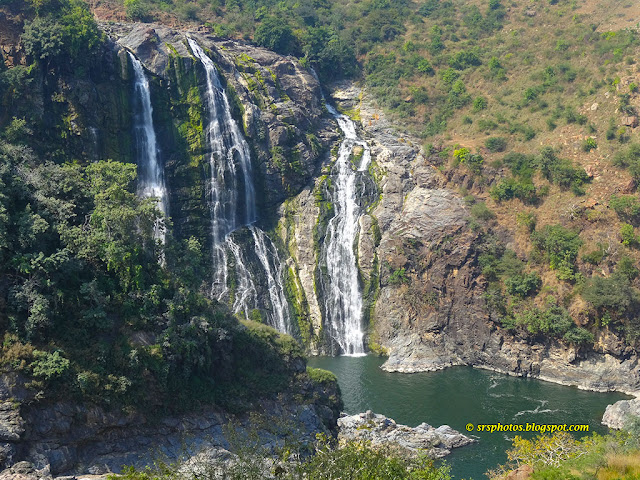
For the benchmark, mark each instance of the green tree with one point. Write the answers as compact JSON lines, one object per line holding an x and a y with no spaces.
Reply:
{"x":275,"y":34}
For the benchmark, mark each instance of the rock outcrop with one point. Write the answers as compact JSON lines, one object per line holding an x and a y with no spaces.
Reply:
{"x":62,"y":438}
{"x":430,"y":311}
{"x":380,"y":430}
{"x":621,"y":413}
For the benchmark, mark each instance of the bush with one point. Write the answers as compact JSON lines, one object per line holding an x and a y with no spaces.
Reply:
{"x":589,"y":144}
{"x":48,"y":365}
{"x":629,"y":237}
{"x":479,"y":104}
{"x":627,"y":269}
{"x":398,"y":277}
{"x":462,"y":60}
{"x":521,"y":165}
{"x":523,"y":285}
{"x":626,"y":206}
{"x":553,"y":320}
{"x":613,"y":295}
{"x":480,"y":211}
{"x":496,"y":144}
{"x":275,"y":34}
{"x":509,"y":188}
{"x":137,"y":10}
{"x":561,"y":171}
{"x":320,"y":376}
{"x":526,"y":220}
{"x":560,"y":246}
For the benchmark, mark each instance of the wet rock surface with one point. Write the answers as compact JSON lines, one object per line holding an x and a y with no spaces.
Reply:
{"x":282,"y":111}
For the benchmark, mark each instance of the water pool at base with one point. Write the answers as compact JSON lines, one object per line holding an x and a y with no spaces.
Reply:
{"x":461,"y":395}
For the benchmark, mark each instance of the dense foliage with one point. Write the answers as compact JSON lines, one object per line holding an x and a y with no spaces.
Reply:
{"x":82,"y":279}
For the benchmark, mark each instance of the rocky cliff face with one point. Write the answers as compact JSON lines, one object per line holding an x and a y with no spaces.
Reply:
{"x":89,"y":114}
{"x":438,"y":317}
{"x":70,"y":437}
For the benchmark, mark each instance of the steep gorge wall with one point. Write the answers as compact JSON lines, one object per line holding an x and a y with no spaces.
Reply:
{"x":439,"y":318}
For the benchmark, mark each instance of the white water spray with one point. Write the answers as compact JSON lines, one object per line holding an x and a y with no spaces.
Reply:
{"x":233,"y":205}
{"x":343,"y":296}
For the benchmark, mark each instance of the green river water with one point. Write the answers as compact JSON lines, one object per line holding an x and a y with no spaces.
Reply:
{"x":461,"y":395}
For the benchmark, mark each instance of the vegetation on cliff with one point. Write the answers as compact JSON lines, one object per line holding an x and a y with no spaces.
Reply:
{"x":92,"y":303}
{"x":529,"y":110}
{"x":88,"y":306}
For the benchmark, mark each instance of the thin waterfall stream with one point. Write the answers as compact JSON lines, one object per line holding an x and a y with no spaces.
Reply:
{"x":150,"y":175}
{"x":343,"y":301}
{"x":233,"y":205}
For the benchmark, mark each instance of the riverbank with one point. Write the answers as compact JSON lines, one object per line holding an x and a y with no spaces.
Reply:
{"x":462,"y":395}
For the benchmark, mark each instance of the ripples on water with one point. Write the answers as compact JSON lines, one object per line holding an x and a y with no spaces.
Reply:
{"x":461,"y":395}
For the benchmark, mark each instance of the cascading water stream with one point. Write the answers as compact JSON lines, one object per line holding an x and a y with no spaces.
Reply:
{"x":343,"y":296}
{"x":150,"y":175}
{"x":233,"y":205}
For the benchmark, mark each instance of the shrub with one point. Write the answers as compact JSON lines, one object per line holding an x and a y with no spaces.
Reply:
{"x":626,"y":206}
{"x":48,"y":365}
{"x":424,"y":66}
{"x":479,"y":104}
{"x":276,"y":35}
{"x":553,"y":320}
{"x":463,"y":59}
{"x":627,"y":269}
{"x":496,"y":70}
{"x":629,"y":237}
{"x":398,"y":277}
{"x":521,"y":165}
{"x":594,"y":257}
{"x":137,"y":10}
{"x":613,"y":295}
{"x":561,"y":171}
{"x":527,"y":220}
{"x":320,"y":376}
{"x":530,"y":94}
{"x":496,"y":144}
{"x":589,"y":144}
{"x":482,"y":212}
{"x":449,"y":76}
{"x":509,"y":188}
{"x":560,"y":246}
{"x":523,"y":285}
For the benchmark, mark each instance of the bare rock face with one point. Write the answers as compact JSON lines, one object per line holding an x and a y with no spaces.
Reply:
{"x":621,"y":413}
{"x":380,"y":430}
{"x":25,"y":471}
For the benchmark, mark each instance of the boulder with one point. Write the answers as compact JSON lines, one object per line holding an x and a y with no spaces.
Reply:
{"x":381,"y":430}
{"x":620,"y":413}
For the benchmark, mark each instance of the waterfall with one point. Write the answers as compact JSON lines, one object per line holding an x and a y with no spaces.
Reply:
{"x":232,"y":206}
{"x":265,"y":250}
{"x":342,"y":293}
{"x":150,"y":175}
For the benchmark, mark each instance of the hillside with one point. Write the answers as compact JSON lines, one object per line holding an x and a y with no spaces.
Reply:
{"x":472,"y":200}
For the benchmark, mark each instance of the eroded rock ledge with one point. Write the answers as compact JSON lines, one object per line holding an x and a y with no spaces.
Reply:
{"x":381,"y":430}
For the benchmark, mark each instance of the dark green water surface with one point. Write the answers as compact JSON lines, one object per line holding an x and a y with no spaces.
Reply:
{"x":461,"y":395}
